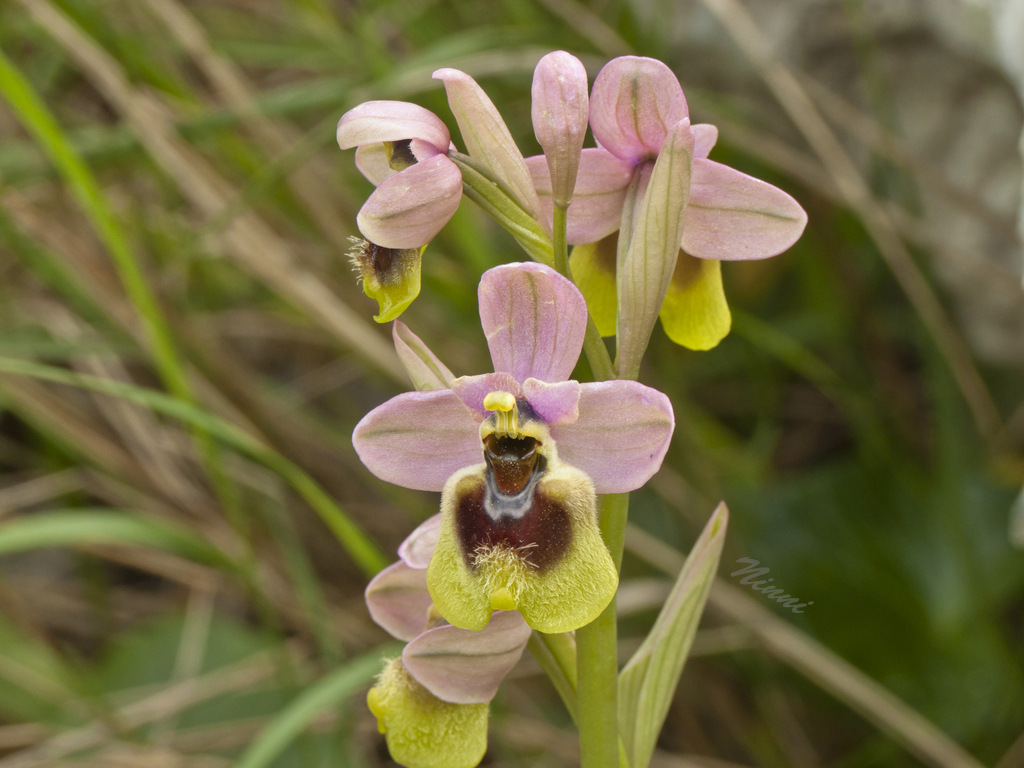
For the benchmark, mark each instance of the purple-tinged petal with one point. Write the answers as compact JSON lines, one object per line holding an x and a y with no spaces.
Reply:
{"x":487,"y":137}
{"x":424,"y":368}
{"x":418,"y":439}
{"x":472,"y":390}
{"x":635,"y":103}
{"x":596,"y":207}
{"x":732,"y":216}
{"x":461,"y":666}
{"x":556,"y":403}
{"x":643,"y":277}
{"x":559,"y":112}
{"x":705,"y":137}
{"x":398,"y":600}
{"x":408,"y":209}
{"x":372,"y":162}
{"x":534,"y":320}
{"x":419,"y":545}
{"x":373,"y":122}
{"x":621,"y":436}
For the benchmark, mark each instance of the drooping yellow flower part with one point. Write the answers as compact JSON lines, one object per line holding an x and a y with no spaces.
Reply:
{"x":519,"y":532}
{"x":694,"y":313}
{"x":390,"y":276}
{"x":422,"y":731}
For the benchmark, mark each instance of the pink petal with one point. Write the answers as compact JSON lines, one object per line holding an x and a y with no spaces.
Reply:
{"x":418,"y":439}
{"x":372,"y":162}
{"x":634,"y":104}
{"x":419,"y":545}
{"x":409,"y":208}
{"x":461,"y":666}
{"x":556,"y":403}
{"x":372,"y":159}
{"x":472,"y":390}
{"x":398,"y":600}
{"x":705,"y":136}
{"x":373,"y":122}
{"x":424,"y":368}
{"x":621,"y":436}
{"x":534,"y":320}
{"x":486,"y":136}
{"x":732,"y":216}
{"x":596,"y":208}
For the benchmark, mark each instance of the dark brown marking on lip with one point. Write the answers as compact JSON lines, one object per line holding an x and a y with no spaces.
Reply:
{"x":540,"y":536}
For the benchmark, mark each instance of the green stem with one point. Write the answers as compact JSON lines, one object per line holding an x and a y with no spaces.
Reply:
{"x":597,"y":658}
{"x":597,"y":700}
{"x":597,"y":712}
{"x":556,"y":655}
{"x":479,"y":184}
{"x":593,"y":345}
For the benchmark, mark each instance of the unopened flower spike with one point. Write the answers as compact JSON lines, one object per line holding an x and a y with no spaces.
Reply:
{"x":432,"y":703}
{"x":635,"y":105}
{"x":519,"y":455}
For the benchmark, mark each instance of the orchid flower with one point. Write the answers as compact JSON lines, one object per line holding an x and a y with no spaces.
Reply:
{"x":405,"y":151}
{"x":635,"y":105}
{"x":519,"y":455}
{"x":432,"y":703}
{"x":402,"y":149}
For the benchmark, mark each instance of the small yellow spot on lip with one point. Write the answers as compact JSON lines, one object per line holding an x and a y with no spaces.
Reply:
{"x":502,"y":600}
{"x":375,"y":701}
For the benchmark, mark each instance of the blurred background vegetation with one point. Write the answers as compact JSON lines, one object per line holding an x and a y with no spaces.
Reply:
{"x":185,"y":531}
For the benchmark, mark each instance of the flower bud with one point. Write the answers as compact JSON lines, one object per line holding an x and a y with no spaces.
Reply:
{"x":560,"y":113}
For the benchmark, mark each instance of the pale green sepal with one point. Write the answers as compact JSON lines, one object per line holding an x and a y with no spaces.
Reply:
{"x":560,"y":598}
{"x":479,"y":184}
{"x":425,"y":370}
{"x":421,"y":730}
{"x":650,"y":259}
{"x":648,"y":682}
{"x":593,"y":270}
{"x":487,"y":138}
{"x":695,"y":314}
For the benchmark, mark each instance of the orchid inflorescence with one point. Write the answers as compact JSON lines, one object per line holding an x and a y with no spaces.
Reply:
{"x":521,"y":454}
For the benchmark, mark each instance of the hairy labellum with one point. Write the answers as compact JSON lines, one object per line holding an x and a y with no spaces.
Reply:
{"x":539,"y":531}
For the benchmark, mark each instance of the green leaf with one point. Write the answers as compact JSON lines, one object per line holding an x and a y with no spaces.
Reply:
{"x":328,"y":692}
{"x":82,"y":527}
{"x":648,"y":682}
{"x":361,"y":548}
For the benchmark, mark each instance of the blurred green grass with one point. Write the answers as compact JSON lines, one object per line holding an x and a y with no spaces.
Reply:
{"x":829,"y":419}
